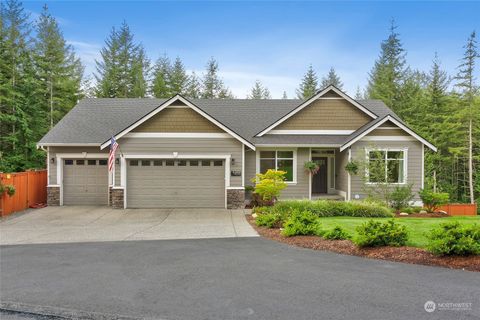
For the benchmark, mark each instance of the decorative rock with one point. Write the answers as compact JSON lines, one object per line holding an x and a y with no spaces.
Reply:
{"x":403,"y":214}
{"x":423,"y":211}
{"x":442,"y":212}
{"x":254,"y":215}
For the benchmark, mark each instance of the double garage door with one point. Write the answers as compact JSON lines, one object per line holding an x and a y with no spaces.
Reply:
{"x":181,"y":183}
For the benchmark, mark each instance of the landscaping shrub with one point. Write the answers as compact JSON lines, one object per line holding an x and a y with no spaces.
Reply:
{"x":400,"y":197}
{"x":302,"y":223}
{"x":269,"y":220}
{"x":268,"y":185}
{"x":377,"y":234}
{"x":326,"y":208}
{"x":337,"y":233}
{"x":433,"y":200}
{"x":454,"y":239}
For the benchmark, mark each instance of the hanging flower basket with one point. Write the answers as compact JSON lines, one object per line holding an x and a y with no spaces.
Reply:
{"x":311,"y":167}
{"x":352,"y":167}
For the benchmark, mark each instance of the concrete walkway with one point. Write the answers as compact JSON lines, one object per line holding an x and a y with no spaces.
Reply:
{"x":91,"y":224}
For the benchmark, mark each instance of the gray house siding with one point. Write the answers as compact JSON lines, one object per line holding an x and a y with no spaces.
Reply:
{"x":414,"y":163}
{"x":200,"y":146}
{"x":52,"y":172}
{"x":299,"y":190}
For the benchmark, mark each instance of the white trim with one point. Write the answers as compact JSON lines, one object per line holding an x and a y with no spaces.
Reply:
{"x":165,"y":105}
{"x":349,"y":178}
{"x":388,"y":138}
{"x":68,"y":144}
{"x":298,"y":145}
{"x":294,"y":150}
{"x":118,"y":188}
{"x":310,"y":177}
{"x":48,"y":166}
{"x":191,"y":135}
{"x":243,"y":166}
{"x":342,"y":193}
{"x":386,"y":149}
{"x":309,"y":101}
{"x":54,"y":185}
{"x":123,"y":179}
{"x":235,"y":188}
{"x":396,"y":122}
{"x":83,"y":155}
{"x":313,"y":132}
{"x":423,"y":167}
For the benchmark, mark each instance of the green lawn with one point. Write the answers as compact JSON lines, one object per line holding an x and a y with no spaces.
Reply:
{"x":417,"y":227}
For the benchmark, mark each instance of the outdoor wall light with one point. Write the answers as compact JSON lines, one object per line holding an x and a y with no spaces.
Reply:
{"x":117,"y":161}
{"x":52,"y":160}
{"x":233,"y":161}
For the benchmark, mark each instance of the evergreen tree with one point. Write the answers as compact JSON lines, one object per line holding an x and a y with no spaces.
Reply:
{"x":178,"y":79}
{"x":284,"y":96}
{"x":212,"y":85}
{"x":161,"y":74}
{"x":123,"y":69}
{"x":358,"y":94}
{"x":331,"y":79}
{"x":387,"y":75}
{"x":466,"y":82}
{"x":193,"y":87}
{"x":259,"y":91}
{"x":309,"y":84}
{"x":59,"y":70}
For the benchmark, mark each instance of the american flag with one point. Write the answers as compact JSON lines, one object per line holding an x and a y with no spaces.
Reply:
{"x":111,"y":156}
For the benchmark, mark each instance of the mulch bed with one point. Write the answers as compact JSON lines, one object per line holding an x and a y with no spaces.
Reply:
{"x":424,"y":215}
{"x":399,"y":254}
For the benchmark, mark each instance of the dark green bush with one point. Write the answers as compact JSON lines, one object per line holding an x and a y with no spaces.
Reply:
{"x":452,"y":238}
{"x":400,"y":197}
{"x":337,"y":233}
{"x":326,"y":208}
{"x":377,"y":234}
{"x":269,"y":220}
{"x":302,"y":223}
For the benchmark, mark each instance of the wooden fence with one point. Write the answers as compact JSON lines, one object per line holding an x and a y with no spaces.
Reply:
{"x":460,"y":209}
{"x":30,"y":189}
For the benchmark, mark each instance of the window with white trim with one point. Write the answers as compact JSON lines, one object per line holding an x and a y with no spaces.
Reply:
{"x":386,"y":166}
{"x":278,"y":160}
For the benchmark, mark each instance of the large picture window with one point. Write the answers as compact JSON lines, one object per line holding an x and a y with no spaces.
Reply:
{"x":278,"y":160}
{"x":386,"y":166}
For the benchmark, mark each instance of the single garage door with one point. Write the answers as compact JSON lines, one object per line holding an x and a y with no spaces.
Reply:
{"x":85,"y":182}
{"x":175,"y":183}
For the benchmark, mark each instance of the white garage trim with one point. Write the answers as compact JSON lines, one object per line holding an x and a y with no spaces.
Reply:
{"x":83,"y":155}
{"x":174,"y":155}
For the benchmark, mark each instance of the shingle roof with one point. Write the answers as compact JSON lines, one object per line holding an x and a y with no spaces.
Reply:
{"x":94,"y":121}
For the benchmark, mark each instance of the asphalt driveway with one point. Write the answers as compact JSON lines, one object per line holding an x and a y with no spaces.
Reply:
{"x":234,"y":278}
{"x":90,"y":224}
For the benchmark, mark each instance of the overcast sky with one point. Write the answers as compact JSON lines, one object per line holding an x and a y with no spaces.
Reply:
{"x":271,"y":41}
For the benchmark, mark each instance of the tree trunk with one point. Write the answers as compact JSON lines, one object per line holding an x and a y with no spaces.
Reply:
{"x":470,"y":161}
{"x":51,"y":104}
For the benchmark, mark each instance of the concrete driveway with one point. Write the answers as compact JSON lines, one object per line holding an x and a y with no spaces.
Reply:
{"x":91,"y":224}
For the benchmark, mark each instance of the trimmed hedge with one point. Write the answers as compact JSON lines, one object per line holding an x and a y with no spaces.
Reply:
{"x":376,"y":234}
{"x":454,"y":239}
{"x":302,"y":223}
{"x":326,"y":208}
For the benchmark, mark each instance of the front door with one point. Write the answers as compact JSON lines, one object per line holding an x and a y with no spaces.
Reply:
{"x":319,"y":180}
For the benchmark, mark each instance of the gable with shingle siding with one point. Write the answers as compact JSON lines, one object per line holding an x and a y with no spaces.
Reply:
{"x":327,"y":114}
{"x":178,"y":120}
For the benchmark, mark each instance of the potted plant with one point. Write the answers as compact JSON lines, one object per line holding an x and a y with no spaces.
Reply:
{"x":352,"y":167}
{"x":311,"y":167}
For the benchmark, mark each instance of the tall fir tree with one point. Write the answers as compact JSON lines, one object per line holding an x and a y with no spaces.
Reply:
{"x":193,"y":86}
{"x":259,"y":91}
{"x":161,"y":74}
{"x":212,"y":85}
{"x":358,"y":94}
{"x":59,"y":70}
{"x":466,"y":83}
{"x":331,"y":78}
{"x":386,"y":78}
{"x":284,"y":96}
{"x":178,"y":79}
{"x":123,"y":68}
{"x":309,"y":85}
